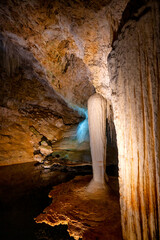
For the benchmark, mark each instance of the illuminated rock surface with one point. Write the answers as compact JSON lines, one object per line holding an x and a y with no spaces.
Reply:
{"x":56,"y":45}
{"x":24,"y":190}
{"x":134,"y":69}
{"x":88,"y":216}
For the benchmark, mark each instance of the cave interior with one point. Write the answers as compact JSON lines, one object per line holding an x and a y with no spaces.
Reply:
{"x":55,"y":56}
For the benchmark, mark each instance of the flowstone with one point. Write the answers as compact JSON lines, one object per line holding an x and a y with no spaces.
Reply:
{"x":88,"y":216}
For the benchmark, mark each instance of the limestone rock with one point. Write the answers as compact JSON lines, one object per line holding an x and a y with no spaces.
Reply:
{"x":70,"y":40}
{"x":134,"y":67}
{"x":87,"y":216}
{"x":39,"y":158}
{"x":45,"y":150}
{"x":48,"y":48}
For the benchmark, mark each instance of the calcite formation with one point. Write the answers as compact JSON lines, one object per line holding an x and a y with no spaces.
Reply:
{"x":134,"y":66}
{"x":87,"y":215}
{"x":97,"y":113}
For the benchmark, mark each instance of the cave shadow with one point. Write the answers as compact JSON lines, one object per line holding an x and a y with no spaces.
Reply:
{"x":112,"y":149}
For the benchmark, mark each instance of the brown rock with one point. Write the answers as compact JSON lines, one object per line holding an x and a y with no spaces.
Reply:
{"x":88,"y":216}
{"x":134,"y":72}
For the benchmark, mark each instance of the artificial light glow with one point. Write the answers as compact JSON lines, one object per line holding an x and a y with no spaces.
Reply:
{"x":82,"y":134}
{"x":82,"y":129}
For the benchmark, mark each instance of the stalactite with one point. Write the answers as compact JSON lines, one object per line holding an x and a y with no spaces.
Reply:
{"x":10,"y":58}
{"x":97,"y":130}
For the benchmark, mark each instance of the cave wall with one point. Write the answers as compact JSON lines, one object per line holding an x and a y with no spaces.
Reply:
{"x":31,"y":112}
{"x":134,"y":67}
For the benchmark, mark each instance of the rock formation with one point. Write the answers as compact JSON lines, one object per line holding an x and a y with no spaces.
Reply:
{"x":87,"y":216}
{"x":31,"y":111}
{"x":134,"y":65}
{"x":64,"y":45}
{"x":97,"y":113}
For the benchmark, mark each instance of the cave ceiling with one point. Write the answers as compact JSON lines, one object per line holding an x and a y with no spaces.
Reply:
{"x":70,"y":40}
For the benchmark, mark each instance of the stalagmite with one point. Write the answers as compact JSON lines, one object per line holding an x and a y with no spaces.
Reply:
{"x":97,"y":131}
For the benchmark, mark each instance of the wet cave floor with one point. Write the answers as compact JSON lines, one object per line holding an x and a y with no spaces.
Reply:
{"x":24,"y":190}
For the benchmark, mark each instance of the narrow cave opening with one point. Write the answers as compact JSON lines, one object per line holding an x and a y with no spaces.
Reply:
{"x":112,"y":150}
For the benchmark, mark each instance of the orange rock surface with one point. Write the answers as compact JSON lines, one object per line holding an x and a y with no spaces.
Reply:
{"x":88,"y":216}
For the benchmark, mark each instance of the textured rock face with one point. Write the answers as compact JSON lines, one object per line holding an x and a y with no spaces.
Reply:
{"x":49,"y":34}
{"x":70,"y":39}
{"x":87,"y":216}
{"x":60,"y":45}
{"x":31,"y":111}
{"x":134,"y":70}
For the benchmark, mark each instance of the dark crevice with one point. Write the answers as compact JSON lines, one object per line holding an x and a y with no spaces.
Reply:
{"x":131,"y":13}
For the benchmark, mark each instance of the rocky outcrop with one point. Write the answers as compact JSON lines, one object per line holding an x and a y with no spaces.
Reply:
{"x":134,"y":65}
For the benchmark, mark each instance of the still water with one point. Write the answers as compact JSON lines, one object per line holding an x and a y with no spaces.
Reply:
{"x":24,"y":190}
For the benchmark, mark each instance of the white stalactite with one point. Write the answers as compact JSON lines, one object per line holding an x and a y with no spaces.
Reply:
{"x":97,"y":106}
